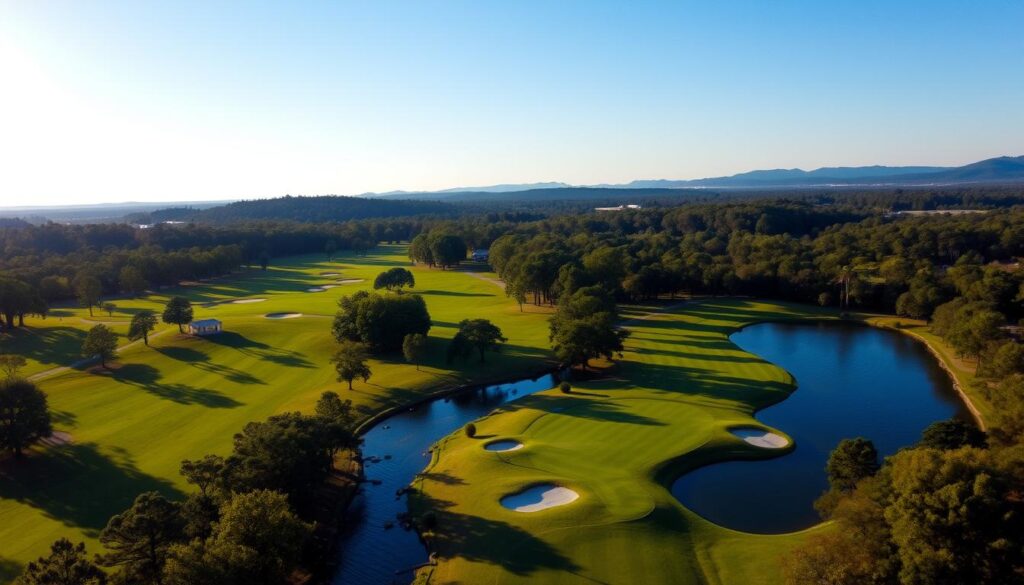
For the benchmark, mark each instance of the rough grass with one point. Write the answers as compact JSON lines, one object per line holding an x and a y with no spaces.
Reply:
{"x":619,"y":442}
{"x":184,"y":397}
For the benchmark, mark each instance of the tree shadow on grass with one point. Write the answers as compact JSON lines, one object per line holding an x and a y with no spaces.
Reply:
{"x":146,"y":377}
{"x":77,"y":484}
{"x":9,"y":570}
{"x":258,"y":349}
{"x":568,"y":405}
{"x":485,"y":540}
{"x":201,"y":360}
{"x":55,"y":345}
{"x":452,"y":293}
{"x":442,"y":477}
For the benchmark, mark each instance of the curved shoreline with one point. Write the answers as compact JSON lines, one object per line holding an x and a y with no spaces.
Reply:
{"x":964,"y":396}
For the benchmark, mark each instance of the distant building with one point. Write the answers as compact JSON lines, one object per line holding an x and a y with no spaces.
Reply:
{"x":481,"y":255}
{"x":619,"y":208}
{"x":205,"y":327}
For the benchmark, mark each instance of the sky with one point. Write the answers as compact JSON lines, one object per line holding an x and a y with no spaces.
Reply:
{"x":210,"y":100}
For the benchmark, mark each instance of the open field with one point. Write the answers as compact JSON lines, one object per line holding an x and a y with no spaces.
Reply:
{"x":184,"y":397}
{"x":618,"y":442}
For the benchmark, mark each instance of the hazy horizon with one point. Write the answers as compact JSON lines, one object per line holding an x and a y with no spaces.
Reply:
{"x":119,"y":102}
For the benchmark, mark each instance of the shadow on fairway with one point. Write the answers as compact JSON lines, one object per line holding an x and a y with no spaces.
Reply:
{"x":258,"y":349}
{"x":605,"y":411}
{"x":9,"y":569}
{"x":77,"y":484}
{"x":442,"y":477}
{"x":492,"y":541}
{"x":451,"y":293}
{"x":47,"y":345}
{"x":146,"y":377}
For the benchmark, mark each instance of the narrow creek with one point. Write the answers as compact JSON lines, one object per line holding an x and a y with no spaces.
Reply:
{"x":376,"y":550}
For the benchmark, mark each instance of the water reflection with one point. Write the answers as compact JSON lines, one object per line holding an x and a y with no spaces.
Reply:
{"x":853,"y":381}
{"x":376,"y":550}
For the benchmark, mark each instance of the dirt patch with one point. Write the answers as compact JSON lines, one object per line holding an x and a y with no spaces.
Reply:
{"x":57,"y":439}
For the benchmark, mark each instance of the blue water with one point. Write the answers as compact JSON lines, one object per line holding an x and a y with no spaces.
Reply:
{"x":370,"y":552}
{"x":852,"y":381}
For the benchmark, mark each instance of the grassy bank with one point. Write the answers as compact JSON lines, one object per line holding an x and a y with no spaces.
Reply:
{"x":183,"y":397}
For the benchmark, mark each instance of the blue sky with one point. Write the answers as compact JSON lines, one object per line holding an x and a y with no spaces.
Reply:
{"x":116,"y":101}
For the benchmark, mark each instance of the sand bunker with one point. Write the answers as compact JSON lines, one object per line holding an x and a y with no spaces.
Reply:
{"x":539,"y":497}
{"x":56,"y":439}
{"x":316,"y":289}
{"x":504,"y":445}
{"x":282,"y":315}
{"x":330,"y":274}
{"x":348,"y":280}
{"x":247,"y":301}
{"x":760,"y":438}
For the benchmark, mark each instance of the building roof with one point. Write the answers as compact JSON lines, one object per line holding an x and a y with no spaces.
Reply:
{"x":205,"y":322}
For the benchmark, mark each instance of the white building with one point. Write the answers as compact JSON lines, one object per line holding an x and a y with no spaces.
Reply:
{"x":205,"y":327}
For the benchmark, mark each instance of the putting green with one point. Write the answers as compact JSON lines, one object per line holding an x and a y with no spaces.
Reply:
{"x":618,"y":442}
{"x":186,"y":396}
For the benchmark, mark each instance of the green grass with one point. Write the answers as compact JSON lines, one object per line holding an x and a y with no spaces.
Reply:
{"x":184,"y":397}
{"x":619,"y":442}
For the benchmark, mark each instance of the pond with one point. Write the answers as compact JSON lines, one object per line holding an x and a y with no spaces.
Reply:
{"x":852,"y":381}
{"x":376,"y":549}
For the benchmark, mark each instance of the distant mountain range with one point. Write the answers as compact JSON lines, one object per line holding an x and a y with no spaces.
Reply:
{"x":1003,"y":169}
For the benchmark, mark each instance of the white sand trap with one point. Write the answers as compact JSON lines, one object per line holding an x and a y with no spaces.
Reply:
{"x":327,"y":286}
{"x":330,"y":274}
{"x":282,"y":315}
{"x":760,"y":438}
{"x":539,"y":497}
{"x":504,"y":445}
{"x":247,"y":301}
{"x":349,"y":280}
{"x":316,"y":289}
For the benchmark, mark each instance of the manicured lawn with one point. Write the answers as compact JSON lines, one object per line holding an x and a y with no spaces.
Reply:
{"x":184,"y":397}
{"x":619,"y":442}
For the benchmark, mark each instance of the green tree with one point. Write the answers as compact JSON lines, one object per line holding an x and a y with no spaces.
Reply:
{"x":350,"y":362}
{"x":258,"y":540}
{"x":24,"y":415}
{"x":88,"y":289}
{"x":954,"y":516}
{"x":851,"y":461}
{"x":18,"y":299}
{"x":394,"y":279}
{"x":330,"y":249}
{"x":137,"y":539}
{"x":109,"y":308}
{"x":179,"y":312}
{"x":205,"y":473}
{"x":952,"y":434}
{"x":100,"y":343}
{"x":476,"y":334}
{"x":414,"y":347}
{"x":447,"y":250}
{"x":143,"y":323}
{"x":337,"y":421}
{"x":287,"y":453}
{"x":380,"y":321}
{"x":1007,"y":418}
{"x":583,"y":328}
{"x":67,"y":564}
{"x":264,"y":261}
{"x":132,"y":281}
{"x":11,"y":364}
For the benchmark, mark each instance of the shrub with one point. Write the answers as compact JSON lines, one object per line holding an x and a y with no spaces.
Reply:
{"x":470,"y":430}
{"x":565,"y":387}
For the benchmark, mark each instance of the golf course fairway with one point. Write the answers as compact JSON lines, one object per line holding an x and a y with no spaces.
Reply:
{"x":618,"y":442}
{"x":182,"y":397}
